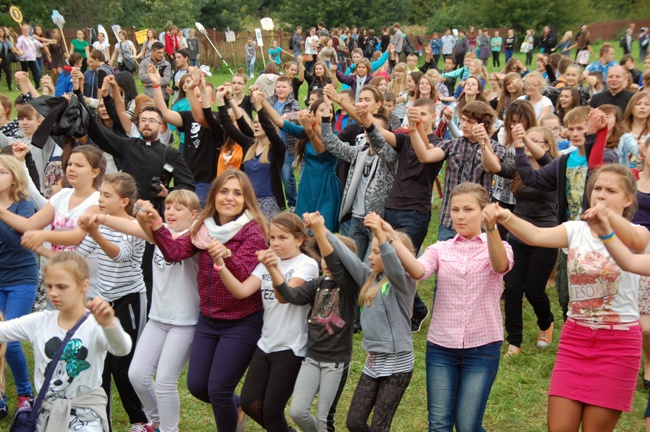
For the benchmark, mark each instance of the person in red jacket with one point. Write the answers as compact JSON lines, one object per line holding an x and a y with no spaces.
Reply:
{"x":171,"y":42}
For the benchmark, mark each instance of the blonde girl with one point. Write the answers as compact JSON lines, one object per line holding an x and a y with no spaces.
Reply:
{"x":164,"y":345}
{"x":18,"y":269}
{"x":66,"y":280}
{"x":386,"y":299}
{"x":399,"y":87}
{"x":533,"y":87}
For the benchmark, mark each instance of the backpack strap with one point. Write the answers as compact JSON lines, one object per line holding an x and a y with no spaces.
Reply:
{"x":52,"y":367}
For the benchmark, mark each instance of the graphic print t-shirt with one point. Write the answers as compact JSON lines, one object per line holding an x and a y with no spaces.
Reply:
{"x":285,"y":325}
{"x":599,"y":291}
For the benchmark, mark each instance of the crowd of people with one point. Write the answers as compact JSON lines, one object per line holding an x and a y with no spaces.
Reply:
{"x":170,"y":227}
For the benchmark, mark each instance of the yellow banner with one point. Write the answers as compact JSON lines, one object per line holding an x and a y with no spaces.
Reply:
{"x":141,"y":36}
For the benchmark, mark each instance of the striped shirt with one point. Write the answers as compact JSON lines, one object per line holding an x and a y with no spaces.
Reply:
{"x":386,"y":364}
{"x":121,"y":275}
{"x":466,"y":310}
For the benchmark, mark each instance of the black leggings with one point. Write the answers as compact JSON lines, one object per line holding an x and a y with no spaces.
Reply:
{"x":268,"y":387}
{"x":5,"y":67}
{"x":532,"y":268}
{"x":495,"y":59}
{"x":36,"y":73}
{"x":130,"y":311}
{"x":383,"y":394}
{"x":529,"y":58}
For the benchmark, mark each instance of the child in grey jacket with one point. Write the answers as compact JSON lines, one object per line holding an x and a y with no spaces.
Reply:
{"x":386,"y":299}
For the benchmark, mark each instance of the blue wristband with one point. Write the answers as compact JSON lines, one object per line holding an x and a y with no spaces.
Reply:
{"x":607,"y":237}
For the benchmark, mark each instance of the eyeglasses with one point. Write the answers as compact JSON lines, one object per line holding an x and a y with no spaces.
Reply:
{"x":149,"y":120}
{"x":556,"y":128}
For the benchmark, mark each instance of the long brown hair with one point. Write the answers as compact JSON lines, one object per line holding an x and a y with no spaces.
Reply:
{"x":525,"y":115}
{"x":434,"y":96}
{"x":628,"y":118}
{"x":302,"y":142}
{"x":553,"y":152}
{"x":479,"y":96}
{"x":619,"y":127}
{"x":506,"y":98}
{"x":370,"y":289}
{"x":95,"y":158}
{"x":575,"y":96}
{"x":250,"y":201}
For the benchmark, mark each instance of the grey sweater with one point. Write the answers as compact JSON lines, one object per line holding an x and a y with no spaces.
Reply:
{"x":381,"y":177}
{"x":386,"y":322}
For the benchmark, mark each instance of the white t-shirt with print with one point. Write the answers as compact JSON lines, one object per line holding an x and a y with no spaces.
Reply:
{"x":599,"y":291}
{"x":65,"y":219}
{"x":175,"y":294}
{"x":82,"y":363}
{"x":539,"y":106}
{"x":285,"y":325}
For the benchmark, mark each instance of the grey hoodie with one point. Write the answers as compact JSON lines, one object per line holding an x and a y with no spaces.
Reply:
{"x":386,"y":322}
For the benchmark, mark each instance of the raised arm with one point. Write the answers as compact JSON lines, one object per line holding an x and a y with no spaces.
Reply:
{"x":501,"y":260}
{"x":169,"y":116}
{"x":120,"y":108}
{"x":426,"y":154}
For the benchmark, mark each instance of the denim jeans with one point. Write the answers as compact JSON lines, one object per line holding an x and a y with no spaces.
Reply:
{"x":445,"y":233}
{"x":202,"y":189}
{"x":362,"y":236}
{"x":509,"y":54}
{"x":289,"y":180}
{"x":344,"y":227}
{"x":16,"y":301}
{"x":458,"y":385}
{"x":250,"y":63}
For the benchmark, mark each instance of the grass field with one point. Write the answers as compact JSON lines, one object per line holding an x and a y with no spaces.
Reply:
{"x":517,"y":401}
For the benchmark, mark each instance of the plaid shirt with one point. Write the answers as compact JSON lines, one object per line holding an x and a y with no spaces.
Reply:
{"x":464,"y":164}
{"x":215,"y":299}
{"x":466,"y":312}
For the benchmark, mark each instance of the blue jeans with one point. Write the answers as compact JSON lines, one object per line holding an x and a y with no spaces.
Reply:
{"x":458,"y":385}
{"x":202,"y":189}
{"x":509,"y":54}
{"x":412,"y":222}
{"x":445,"y":233}
{"x":344,"y":227}
{"x":194,"y":62}
{"x":16,"y":301}
{"x":289,"y":180}
{"x":362,"y":237}
{"x":250,"y":63}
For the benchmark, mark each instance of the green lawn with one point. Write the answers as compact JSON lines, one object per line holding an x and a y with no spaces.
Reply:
{"x":517,"y":401}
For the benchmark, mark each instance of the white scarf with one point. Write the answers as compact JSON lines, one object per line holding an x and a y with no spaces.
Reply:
{"x":222,"y":233}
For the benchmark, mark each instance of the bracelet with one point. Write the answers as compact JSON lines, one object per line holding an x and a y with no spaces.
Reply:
{"x":419,"y":122}
{"x":507,"y":219}
{"x":156,"y":86}
{"x":608,"y":236}
{"x":216,"y":267}
{"x":393,"y":239}
{"x":494,"y":227}
{"x":159,"y":221}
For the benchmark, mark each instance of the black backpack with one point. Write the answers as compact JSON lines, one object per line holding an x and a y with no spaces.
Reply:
{"x":371,"y":47}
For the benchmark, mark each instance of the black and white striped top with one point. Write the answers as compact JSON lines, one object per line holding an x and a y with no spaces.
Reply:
{"x":386,"y":364}
{"x":122,"y":275}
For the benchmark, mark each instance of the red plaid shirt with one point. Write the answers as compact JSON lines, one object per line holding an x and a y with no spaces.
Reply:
{"x":216,"y":300}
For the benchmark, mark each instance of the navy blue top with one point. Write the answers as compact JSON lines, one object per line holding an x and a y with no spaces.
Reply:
{"x":17,"y":265}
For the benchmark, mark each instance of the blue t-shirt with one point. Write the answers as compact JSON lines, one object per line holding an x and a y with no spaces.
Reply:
{"x":260,"y":176}
{"x":276,"y":54}
{"x":17,"y":265}
{"x":279,"y":108}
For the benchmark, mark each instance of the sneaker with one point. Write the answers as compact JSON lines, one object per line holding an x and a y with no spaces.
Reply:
{"x":21,"y":399}
{"x":141,"y":427}
{"x":512,"y":351}
{"x":417,"y":320}
{"x":545,"y":337}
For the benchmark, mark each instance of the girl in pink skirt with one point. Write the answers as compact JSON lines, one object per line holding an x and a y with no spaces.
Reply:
{"x":599,"y":353}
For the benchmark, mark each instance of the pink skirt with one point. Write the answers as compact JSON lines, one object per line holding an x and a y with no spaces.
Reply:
{"x":597,"y":367}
